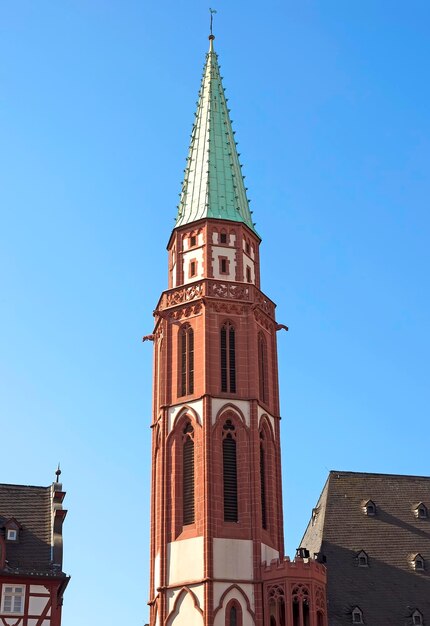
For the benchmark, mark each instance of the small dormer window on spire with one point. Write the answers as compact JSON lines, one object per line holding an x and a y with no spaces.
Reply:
{"x":417,"y":618}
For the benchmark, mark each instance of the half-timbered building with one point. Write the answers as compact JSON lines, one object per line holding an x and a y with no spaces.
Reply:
{"x":32,"y":581}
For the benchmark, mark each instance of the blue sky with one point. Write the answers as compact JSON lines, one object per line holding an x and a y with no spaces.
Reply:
{"x":330,"y":102}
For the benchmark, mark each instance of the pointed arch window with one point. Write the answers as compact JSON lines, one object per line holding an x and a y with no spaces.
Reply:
{"x":188,"y":474}
{"x":186,"y":360}
{"x":301,"y":599}
{"x":233,"y":614}
{"x":277,"y":605}
{"x":229,"y":463}
{"x":263,"y":482}
{"x":262,"y":368}
{"x":228,"y":358}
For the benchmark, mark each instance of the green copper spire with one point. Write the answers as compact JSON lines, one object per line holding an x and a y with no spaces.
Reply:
{"x":213,"y":184}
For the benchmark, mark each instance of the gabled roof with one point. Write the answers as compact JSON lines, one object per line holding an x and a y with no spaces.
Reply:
{"x":387,"y":589}
{"x":213,"y":185}
{"x":34,"y":511}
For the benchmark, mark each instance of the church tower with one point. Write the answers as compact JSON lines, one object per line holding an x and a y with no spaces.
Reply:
{"x":217,"y":551}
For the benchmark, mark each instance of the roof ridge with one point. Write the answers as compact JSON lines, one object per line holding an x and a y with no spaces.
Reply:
{"x":24,"y":486}
{"x":347,"y":472}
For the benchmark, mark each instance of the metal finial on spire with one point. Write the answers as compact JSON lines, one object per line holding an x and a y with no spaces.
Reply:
{"x":58,"y":473}
{"x":212,"y":12}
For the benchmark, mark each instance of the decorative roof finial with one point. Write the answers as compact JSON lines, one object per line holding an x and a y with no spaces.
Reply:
{"x":212,"y":12}
{"x":58,"y":473}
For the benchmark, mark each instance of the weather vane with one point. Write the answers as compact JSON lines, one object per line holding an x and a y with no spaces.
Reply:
{"x":212,"y":12}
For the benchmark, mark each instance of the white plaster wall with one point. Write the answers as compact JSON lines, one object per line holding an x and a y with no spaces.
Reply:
{"x":243,"y":405}
{"x":261,"y":412}
{"x":12,"y":621}
{"x":247,"y":262}
{"x":197,"y":254}
{"x":196,"y":405}
{"x":248,"y":590}
{"x":186,"y":614}
{"x":185,"y":561}
{"x":268,"y":553}
{"x":230,"y":253}
{"x":232,"y":558}
{"x":198,"y":590}
{"x":39,"y":589}
{"x":36,"y":605}
{"x":156,"y":573}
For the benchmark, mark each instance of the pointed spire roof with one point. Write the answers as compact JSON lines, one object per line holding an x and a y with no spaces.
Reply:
{"x":213,"y":185}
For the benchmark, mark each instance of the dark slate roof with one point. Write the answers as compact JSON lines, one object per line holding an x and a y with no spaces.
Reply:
{"x":32,"y":508}
{"x":389,"y":590}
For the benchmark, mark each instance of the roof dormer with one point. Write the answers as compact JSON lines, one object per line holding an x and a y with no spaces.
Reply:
{"x":12,"y":530}
{"x":369,"y":508}
{"x":417,"y":618}
{"x":417,"y":562}
{"x":420,"y":510}
{"x":362,"y":559}
{"x":357,"y":615}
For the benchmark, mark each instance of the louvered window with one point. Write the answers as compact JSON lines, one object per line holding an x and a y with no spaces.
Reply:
{"x":13,"y":600}
{"x":262,"y":368}
{"x":228,"y":358}
{"x":188,"y":475}
{"x":186,"y":358}
{"x":263,"y":483}
{"x":229,"y":472}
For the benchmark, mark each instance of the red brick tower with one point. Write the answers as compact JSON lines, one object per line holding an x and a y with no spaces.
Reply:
{"x":217,"y":552}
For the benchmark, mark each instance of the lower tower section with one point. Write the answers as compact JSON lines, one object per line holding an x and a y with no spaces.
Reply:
{"x":217,"y":549}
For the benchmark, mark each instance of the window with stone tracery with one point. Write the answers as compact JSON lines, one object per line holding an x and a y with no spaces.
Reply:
{"x":277,"y":610}
{"x":301,"y":605}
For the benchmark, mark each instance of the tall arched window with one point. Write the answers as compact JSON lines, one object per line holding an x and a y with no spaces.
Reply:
{"x":188,"y":474}
{"x":233,"y":614}
{"x":263,"y":482}
{"x":262,"y":368}
{"x":186,"y":360}
{"x":228,"y":358}
{"x":229,"y":472}
{"x":301,"y":608}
